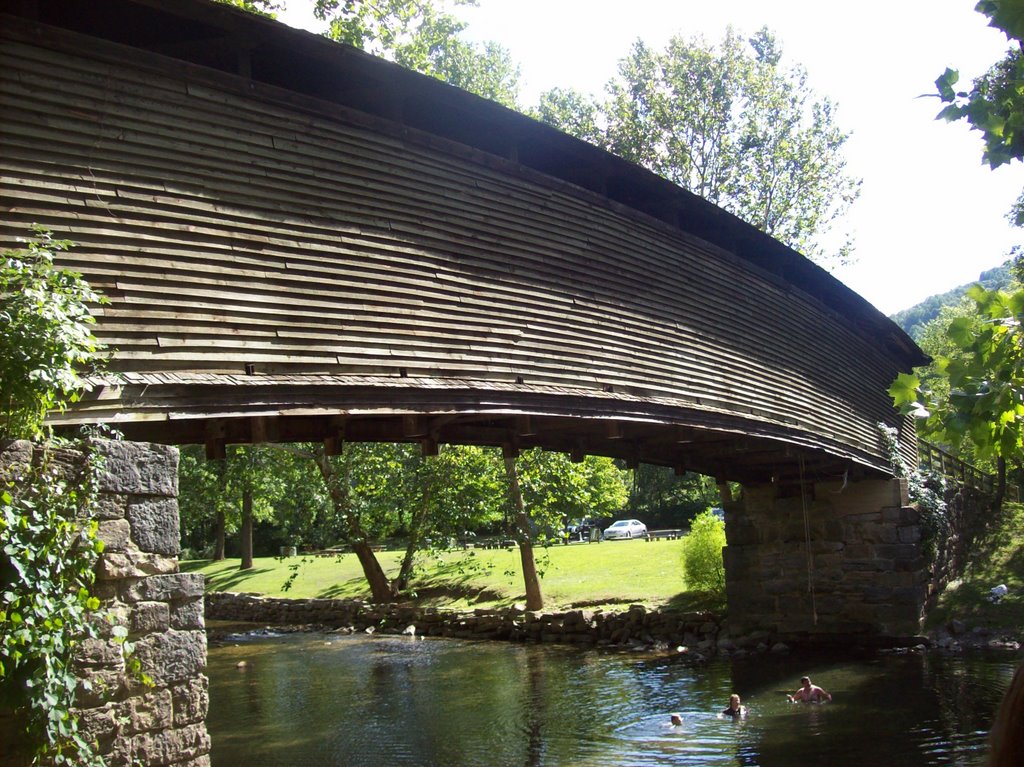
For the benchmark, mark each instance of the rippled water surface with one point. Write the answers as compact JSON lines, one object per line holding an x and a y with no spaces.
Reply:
{"x":335,"y":700}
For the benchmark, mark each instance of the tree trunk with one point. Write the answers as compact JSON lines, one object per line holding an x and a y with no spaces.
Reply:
{"x":219,"y":521}
{"x":380,"y":587}
{"x":218,"y":536}
{"x":997,"y":503}
{"x":416,"y":523}
{"x":246,"y":530}
{"x":534,"y":598}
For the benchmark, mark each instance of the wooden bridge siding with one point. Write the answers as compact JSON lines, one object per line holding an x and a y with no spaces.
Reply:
{"x":268,"y":232}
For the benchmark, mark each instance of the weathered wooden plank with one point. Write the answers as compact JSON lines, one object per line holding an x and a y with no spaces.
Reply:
{"x":573,"y":288}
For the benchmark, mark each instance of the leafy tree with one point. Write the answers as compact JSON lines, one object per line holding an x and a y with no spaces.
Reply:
{"x":995,"y":104}
{"x":659,"y":497}
{"x":261,"y":483}
{"x":340,"y":477}
{"x":545,"y":489}
{"x":424,"y":37}
{"x":255,"y":485}
{"x":46,"y":338}
{"x":981,"y":398}
{"x":557,"y":489}
{"x":259,"y":7}
{"x":985,"y":374}
{"x":48,"y":543}
{"x":730,"y":123}
{"x":200,"y":502}
{"x":935,"y":341}
{"x":468,"y":490}
{"x":572,"y":112}
{"x":917,"y":318}
{"x":702,"y":553}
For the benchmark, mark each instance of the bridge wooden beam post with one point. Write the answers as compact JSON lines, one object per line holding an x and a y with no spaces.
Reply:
{"x":216,"y":436}
{"x":334,"y":439}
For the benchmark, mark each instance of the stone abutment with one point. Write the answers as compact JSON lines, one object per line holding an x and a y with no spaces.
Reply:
{"x":138,"y":582}
{"x":846,"y":561}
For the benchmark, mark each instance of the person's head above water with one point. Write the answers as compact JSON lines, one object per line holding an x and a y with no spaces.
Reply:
{"x":676,"y":719}
{"x":734,"y":701}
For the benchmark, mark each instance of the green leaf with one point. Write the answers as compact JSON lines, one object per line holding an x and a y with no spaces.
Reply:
{"x":950,"y":113}
{"x":961,"y":331}
{"x":904,"y":389}
{"x":945,"y":83}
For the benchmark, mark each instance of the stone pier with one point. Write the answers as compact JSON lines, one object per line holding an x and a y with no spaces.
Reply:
{"x":138,"y":581}
{"x":840,"y":563}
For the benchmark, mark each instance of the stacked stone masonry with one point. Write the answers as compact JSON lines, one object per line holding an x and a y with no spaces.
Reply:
{"x":637,"y":625}
{"x":840,"y":560}
{"x":138,"y":581}
{"x":846,"y":560}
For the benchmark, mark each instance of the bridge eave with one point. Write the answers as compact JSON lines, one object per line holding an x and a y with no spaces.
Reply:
{"x":687,"y":436}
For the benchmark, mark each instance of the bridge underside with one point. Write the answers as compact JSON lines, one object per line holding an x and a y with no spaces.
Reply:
{"x":217,"y":410}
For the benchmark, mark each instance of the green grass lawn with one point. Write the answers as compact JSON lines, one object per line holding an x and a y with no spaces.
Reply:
{"x":608,"y":574}
{"x":997,"y":558}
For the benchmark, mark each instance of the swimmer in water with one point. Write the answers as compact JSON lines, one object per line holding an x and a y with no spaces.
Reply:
{"x":735,"y":710}
{"x":809,"y":693}
{"x":676,"y":719}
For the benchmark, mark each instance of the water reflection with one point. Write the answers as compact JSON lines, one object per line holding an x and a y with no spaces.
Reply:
{"x":399,"y":701}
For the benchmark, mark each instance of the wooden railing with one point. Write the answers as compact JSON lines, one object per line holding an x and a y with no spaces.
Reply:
{"x":935,"y":458}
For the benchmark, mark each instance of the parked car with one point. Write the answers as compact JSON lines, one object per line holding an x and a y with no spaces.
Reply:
{"x":625,"y":528}
{"x":580,"y":531}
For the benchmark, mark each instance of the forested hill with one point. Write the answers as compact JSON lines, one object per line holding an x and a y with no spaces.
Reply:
{"x":914,"y":319}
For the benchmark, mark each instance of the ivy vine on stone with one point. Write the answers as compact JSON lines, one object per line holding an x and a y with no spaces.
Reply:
{"x":925,"y":488}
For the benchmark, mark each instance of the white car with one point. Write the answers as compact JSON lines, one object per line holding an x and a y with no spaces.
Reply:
{"x":625,"y":528}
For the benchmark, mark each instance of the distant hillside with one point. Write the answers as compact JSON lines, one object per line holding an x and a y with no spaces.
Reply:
{"x":916,"y":317}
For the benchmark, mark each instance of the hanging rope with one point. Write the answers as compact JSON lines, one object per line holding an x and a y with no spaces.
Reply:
{"x":807,"y":543}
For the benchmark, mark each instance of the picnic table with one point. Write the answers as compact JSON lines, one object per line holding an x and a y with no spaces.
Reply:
{"x":654,"y":535}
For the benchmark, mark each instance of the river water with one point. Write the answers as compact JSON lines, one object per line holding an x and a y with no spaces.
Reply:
{"x":357,"y":700}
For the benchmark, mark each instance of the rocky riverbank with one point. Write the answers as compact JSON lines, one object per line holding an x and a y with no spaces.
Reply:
{"x":699,"y":635}
{"x":637,"y":627}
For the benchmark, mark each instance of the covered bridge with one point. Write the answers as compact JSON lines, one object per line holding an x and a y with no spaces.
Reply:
{"x":302,"y":242}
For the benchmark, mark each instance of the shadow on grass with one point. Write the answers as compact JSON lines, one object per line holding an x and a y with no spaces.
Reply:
{"x":353,"y":588}
{"x":696,"y":602}
{"x":226,"y":580}
{"x":452,"y":581}
{"x":456,"y":580}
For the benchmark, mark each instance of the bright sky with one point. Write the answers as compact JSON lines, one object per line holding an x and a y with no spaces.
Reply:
{"x":930,"y":216}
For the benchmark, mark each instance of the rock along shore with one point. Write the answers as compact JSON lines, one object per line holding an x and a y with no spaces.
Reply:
{"x":635,"y":628}
{"x":699,"y":635}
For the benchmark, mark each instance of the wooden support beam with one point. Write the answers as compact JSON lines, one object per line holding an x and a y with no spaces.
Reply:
{"x":336,"y":433}
{"x":577,"y":455}
{"x":509,"y":451}
{"x":216,"y":431}
{"x":525,"y":426}
{"x":614,"y":430}
{"x":259,"y":430}
{"x":725,"y":492}
{"x":414,"y":426}
{"x":334,"y":445}
{"x":428,"y":447}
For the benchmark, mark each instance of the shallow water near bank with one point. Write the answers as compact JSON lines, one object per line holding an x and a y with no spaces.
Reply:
{"x":350,"y":700}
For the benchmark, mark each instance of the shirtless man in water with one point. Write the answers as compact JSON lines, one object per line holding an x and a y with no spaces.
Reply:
{"x":809,"y":693}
